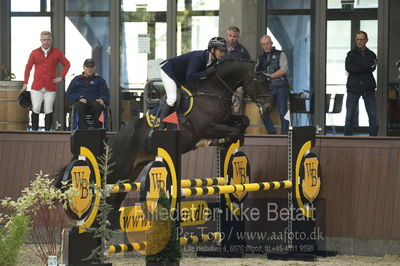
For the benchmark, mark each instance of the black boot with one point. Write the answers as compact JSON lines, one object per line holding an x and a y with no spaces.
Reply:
{"x":48,"y":119}
{"x":165,"y":110}
{"x":35,"y":121}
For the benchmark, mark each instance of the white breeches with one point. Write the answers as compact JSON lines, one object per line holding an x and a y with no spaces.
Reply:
{"x":170,"y":88}
{"x":38,"y":96}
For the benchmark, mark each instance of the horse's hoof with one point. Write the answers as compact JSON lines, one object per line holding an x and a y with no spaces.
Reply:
{"x":203,"y":143}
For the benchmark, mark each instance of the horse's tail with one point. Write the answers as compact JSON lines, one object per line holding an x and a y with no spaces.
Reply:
{"x":58,"y":177}
{"x":57,"y":181}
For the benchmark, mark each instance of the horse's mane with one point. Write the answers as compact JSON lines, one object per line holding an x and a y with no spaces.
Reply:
{"x":225,"y":60}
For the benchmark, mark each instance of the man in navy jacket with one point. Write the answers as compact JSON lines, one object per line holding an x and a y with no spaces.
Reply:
{"x":360,"y":63}
{"x":90,"y":94}
{"x":188,"y":67}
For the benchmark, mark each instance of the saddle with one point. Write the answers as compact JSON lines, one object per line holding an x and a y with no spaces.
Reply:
{"x":184,"y":104}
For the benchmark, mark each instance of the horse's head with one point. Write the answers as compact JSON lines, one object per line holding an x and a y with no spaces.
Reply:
{"x":234,"y":73}
{"x":258,"y":88}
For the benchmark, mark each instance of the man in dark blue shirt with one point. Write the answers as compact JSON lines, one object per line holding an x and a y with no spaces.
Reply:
{"x":360,"y":63}
{"x":188,"y":67}
{"x":90,"y":94}
{"x":235,"y":49}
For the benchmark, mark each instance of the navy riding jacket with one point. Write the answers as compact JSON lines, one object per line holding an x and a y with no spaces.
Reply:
{"x":89,"y":88}
{"x":187,"y":67}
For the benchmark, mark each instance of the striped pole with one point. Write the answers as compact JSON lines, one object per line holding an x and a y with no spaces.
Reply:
{"x":227,"y":189}
{"x":120,"y":248}
{"x":124,"y":187}
{"x":192,"y":239}
{"x":185,"y":183}
{"x":198,"y":182}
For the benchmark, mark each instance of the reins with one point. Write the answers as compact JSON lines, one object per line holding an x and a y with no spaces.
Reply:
{"x":257,"y":97}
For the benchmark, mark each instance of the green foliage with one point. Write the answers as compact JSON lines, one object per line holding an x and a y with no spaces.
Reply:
{"x":12,"y":237}
{"x":5,"y":74}
{"x":172,"y":252}
{"x":102,"y":231}
{"x":40,"y":193}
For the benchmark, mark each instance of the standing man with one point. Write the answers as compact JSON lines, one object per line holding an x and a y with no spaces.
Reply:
{"x":187,"y":67}
{"x":275,"y":64}
{"x":360,"y":63}
{"x":44,"y":86}
{"x":235,"y":49}
{"x":90,"y":94}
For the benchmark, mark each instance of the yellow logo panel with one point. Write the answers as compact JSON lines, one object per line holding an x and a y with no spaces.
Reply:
{"x":194,"y":213}
{"x":158,"y":181}
{"x":82,"y":196}
{"x":311,"y":184}
{"x":132,"y":219}
{"x":240,"y":175}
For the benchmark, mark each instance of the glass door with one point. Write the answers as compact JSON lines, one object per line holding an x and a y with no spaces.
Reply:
{"x":37,"y":15}
{"x":338,"y":44}
{"x":143,"y":48}
{"x":341,"y":29}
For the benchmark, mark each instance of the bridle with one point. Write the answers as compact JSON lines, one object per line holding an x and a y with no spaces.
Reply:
{"x":255,"y":99}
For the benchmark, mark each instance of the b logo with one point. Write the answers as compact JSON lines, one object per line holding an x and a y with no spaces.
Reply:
{"x":239,"y":164}
{"x":311,"y":181}
{"x":239,"y":172}
{"x":158,"y":182}
{"x":82,"y":197}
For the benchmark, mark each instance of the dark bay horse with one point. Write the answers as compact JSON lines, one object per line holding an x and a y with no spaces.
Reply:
{"x":210,"y":118}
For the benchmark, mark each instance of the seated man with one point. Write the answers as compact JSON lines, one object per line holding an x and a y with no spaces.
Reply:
{"x":90,"y":94}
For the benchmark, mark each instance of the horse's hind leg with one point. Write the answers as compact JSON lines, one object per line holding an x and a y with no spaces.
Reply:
{"x":116,"y":199}
{"x":217,"y":131}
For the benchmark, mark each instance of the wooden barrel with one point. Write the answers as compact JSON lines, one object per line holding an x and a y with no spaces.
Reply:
{"x":256,"y":126}
{"x":12,"y":115}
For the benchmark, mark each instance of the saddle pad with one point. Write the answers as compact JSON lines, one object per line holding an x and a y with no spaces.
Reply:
{"x":185,"y":106}
{"x":151,"y":117}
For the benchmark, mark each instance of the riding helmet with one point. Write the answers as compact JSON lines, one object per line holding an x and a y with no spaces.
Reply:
{"x":217,"y":43}
{"x":24,"y":99}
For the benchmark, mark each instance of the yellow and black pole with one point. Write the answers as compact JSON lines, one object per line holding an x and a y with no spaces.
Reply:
{"x":228,"y":189}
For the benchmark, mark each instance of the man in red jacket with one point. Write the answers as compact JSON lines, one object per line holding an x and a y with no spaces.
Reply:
{"x":44,"y":86}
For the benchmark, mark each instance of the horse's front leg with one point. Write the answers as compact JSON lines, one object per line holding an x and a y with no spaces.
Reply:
{"x":219,"y":131}
{"x":240,"y":121}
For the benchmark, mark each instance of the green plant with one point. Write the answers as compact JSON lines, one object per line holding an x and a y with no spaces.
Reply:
{"x":46,"y":230}
{"x":102,"y":231}
{"x":12,"y":238}
{"x":5,"y":74}
{"x":39,"y":194}
{"x":172,"y":252}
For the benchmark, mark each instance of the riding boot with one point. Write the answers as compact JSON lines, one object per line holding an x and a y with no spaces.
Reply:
{"x":165,"y":110}
{"x":48,"y":119}
{"x":35,"y":121}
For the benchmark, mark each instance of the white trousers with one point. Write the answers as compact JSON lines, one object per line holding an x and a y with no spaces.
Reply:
{"x":170,"y":88}
{"x":38,"y":96}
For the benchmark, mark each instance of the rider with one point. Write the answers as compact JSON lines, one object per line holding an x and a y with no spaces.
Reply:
{"x":188,"y":67}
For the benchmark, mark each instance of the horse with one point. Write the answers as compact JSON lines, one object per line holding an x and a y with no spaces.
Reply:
{"x":210,"y":118}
